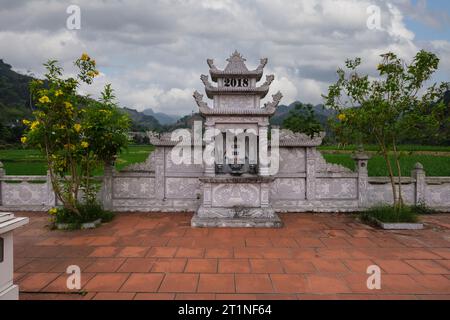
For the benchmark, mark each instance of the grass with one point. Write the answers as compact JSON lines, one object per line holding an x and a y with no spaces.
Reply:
{"x":30,"y":162}
{"x":405,"y":147}
{"x":389,"y":214}
{"x":433,"y":165}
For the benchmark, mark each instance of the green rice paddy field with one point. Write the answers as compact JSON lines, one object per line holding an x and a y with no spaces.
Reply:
{"x":436,"y":160}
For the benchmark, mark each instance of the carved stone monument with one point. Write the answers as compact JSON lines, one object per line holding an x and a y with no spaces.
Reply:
{"x":236,"y":187}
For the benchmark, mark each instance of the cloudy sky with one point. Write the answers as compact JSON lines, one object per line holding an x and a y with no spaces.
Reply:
{"x":153,"y":52}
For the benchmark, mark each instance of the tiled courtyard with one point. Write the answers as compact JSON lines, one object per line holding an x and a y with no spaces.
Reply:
{"x":159,"y":256}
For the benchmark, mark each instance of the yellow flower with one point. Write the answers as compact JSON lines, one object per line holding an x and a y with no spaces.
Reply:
{"x":58,"y":93}
{"x":84,"y":144}
{"x":77,"y":127}
{"x":23,"y":139}
{"x":44,"y":99}
{"x":342,"y":117}
{"x":34,"y":124}
{"x":26,"y":122}
{"x":85,"y":57}
{"x":93,"y":62}
{"x":53,"y":211}
{"x":91,"y":74}
{"x":68,"y":105}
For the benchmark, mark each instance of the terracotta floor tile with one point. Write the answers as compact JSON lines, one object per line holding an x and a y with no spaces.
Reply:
{"x":39,"y":265}
{"x":428,"y":266}
{"x":304,"y":242}
{"x":60,"y":283}
{"x":162,"y":252}
{"x":137,"y":265}
{"x":266,"y":266}
{"x":132,"y":252}
{"x":235,"y":296}
{"x":297,"y":266}
{"x":326,"y":265}
{"x":358,"y":265}
{"x":258,"y":242}
{"x":253,"y":283}
{"x":201,"y":266}
{"x":288,"y":283}
{"x":335,"y":242}
{"x":433,"y":282}
{"x":400,"y":283}
{"x":36,"y":281}
{"x":284,"y":242}
{"x":195,"y":296}
{"x":169,"y":265}
{"x":142,"y":282}
{"x":114,"y":296}
{"x":190,"y":253}
{"x":103,"y":241}
{"x":106,"y":282}
{"x":220,"y":283}
{"x":104,"y":252}
{"x":326,"y":284}
{"x":395,"y":267}
{"x":219,"y":253}
{"x":154,"y":296}
{"x":234,"y":266}
{"x":105,"y":265}
{"x":179,"y":282}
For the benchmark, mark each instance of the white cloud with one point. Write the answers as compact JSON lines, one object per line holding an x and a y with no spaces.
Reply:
{"x":153,"y":52}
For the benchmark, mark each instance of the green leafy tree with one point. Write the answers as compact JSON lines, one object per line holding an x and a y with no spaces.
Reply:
{"x":388,"y":108}
{"x":75,"y":133}
{"x":303,"y":119}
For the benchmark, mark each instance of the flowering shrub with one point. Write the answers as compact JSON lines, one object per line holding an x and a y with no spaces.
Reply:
{"x":75,"y":133}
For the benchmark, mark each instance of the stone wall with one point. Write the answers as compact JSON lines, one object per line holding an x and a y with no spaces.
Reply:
{"x":305,"y":182}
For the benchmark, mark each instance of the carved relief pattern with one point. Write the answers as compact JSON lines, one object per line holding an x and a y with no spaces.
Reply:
{"x":139,"y":188}
{"x":329,"y":188}
{"x":289,"y":188}
{"x":292,"y":160}
{"x":14,"y":194}
{"x":236,"y":101}
{"x":229,"y":195}
{"x":182,"y":188}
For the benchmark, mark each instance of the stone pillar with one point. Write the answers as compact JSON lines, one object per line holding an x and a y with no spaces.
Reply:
{"x":107,"y":190}
{"x":418,"y":174}
{"x":263,"y":151}
{"x":2,"y":173}
{"x":51,"y":197}
{"x":310,"y":174}
{"x":265,"y":190}
{"x":362,"y":160}
{"x":160,"y":173}
{"x":207,"y":195}
{"x":210,"y":168}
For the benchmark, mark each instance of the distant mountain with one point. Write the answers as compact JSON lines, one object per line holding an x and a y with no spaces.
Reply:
{"x":15,"y":106}
{"x":163,"y":118}
{"x":141,"y":121}
{"x":283,"y":111}
{"x":14,"y":95}
{"x":184,"y":122}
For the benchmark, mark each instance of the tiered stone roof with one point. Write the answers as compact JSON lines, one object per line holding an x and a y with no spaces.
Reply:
{"x":236,"y":68}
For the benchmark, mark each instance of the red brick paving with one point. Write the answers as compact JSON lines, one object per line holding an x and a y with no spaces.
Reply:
{"x":158,"y":256}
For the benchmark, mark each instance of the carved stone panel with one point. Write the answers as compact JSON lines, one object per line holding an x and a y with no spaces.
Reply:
{"x":182,"y":188}
{"x":171,"y":167}
{"x":292,"y":160}
{"x":332,"y":188}
{"x":288,"y":189}
{"x":138,"y":188}
{"x":239,"y":194}
{"x":236,"y":101}
{"x":438,"y":195}
{"x":15,"y":194}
